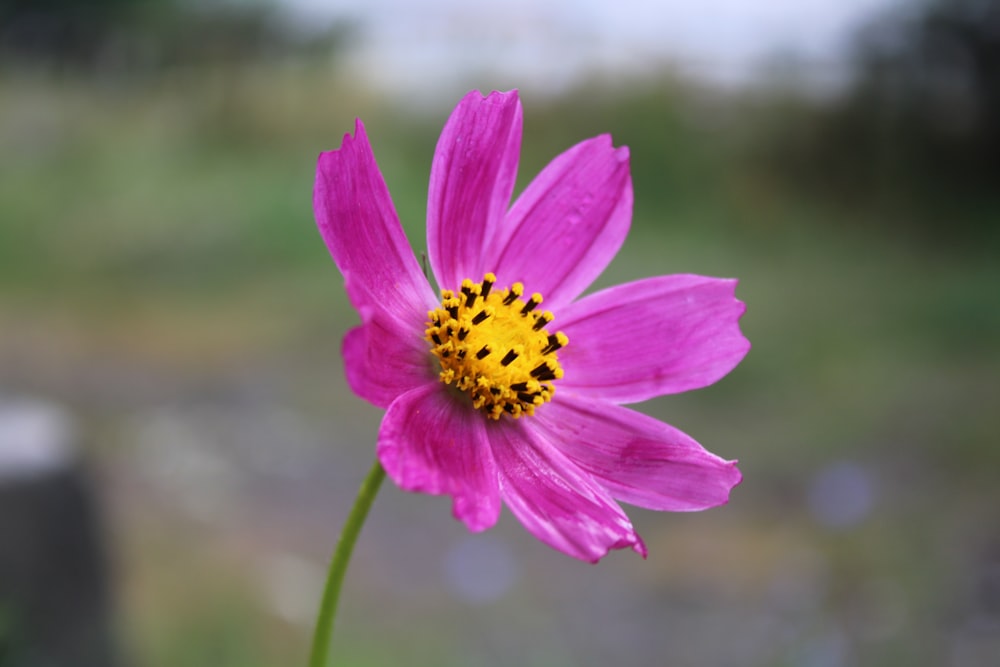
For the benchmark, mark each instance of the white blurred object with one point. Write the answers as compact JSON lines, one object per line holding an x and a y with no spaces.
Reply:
{"x":53,"y":574}
{"x":36,"y":438}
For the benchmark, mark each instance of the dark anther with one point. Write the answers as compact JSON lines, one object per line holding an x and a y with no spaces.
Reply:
{"x":480,"y":316}
{"x":453,"y":311}
{"x":461,"y":354}
{"x":542,"y":372}
{"x":553,"y":345}
{"x":540,"y":369}
{"x":510,"y":298}
{"x":484,"y":352}
{"x":540,"y":322}
{"x":462,"y":333}
{"x":528,"y":307}
{"x":519,"y":386}
{"x":470,"y":298}
{"x":527,"y":398}
{"x":508,"y":358}
{"x":436,"y":338}
{"x":495,"y":391}
{"x":487,"y":286}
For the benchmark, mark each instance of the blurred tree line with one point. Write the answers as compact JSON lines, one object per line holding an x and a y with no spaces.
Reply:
{"x":917,"y":130}
{"x":128,"y":36}
{"x":913,"y":140}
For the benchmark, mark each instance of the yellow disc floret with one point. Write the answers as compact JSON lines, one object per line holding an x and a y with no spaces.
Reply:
{"x":495,"y":347}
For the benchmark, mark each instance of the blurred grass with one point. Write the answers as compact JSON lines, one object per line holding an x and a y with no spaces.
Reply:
{"x":167,"y":224}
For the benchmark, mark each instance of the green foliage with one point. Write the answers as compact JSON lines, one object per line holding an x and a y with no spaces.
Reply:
{"x":8,"y":634}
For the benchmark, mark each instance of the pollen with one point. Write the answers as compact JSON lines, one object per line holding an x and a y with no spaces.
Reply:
{"x":494,"y":345}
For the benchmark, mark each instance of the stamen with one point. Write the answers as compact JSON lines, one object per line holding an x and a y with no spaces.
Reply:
{"x":515,"y":292}
{"x":470,"y":295}
{"x":542,"y":319}
{"x":556,"y":341}
{"x":468,"y":327}
{"x":535,"y":299}
{"x":539,"y":369}
{"x":545,"y":376}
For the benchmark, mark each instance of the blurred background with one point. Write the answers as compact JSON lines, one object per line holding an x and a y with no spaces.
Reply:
{"x":178,"y":448}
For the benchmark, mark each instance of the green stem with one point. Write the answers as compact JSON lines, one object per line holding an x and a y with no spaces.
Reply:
{"x":338,"y":566}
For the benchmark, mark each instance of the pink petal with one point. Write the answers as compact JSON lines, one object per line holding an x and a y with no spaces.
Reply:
{"x":358,"y":221}
{"x":433,"y":441}
{"x":472,"y":178}
{"x":638,"y":459}
{"x":557,"y":502}
{"x":652,"y":337}
{"x":381,"y":362}
{"x":568,"y":224}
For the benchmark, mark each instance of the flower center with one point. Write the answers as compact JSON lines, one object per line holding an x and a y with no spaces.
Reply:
{"x":494,"y":346}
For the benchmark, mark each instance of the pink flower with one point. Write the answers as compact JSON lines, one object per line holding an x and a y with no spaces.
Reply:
{"x":492,"y":399}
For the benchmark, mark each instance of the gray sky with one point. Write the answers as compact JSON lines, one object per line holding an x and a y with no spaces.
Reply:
{"x":409,"y":45}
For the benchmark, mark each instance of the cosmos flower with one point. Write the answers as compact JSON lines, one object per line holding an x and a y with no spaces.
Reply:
{"x":495,"y":395}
